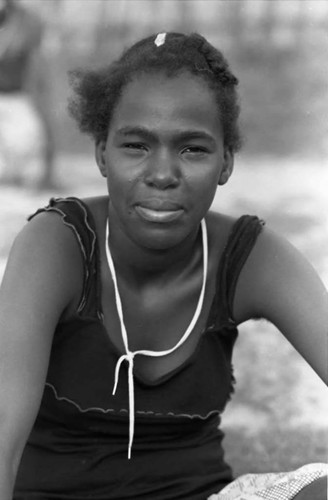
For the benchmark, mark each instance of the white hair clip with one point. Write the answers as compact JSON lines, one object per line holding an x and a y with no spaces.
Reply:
{"x":160,"y":39}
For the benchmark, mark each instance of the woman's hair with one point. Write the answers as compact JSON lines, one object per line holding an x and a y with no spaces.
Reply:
{"x":97,"y":92}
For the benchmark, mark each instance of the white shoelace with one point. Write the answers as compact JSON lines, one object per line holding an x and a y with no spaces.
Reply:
{"x":129,"y":355}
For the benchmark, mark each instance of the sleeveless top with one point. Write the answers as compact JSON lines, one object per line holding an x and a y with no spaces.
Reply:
{"x":78,"y":446}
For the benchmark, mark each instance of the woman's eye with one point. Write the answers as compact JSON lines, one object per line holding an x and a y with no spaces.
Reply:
{"x":134,"y":146}
{"x":195,"y":150}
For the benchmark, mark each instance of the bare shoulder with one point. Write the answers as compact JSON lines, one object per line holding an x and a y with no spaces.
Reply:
{"x":275,"y":273}
{"x":45,"y":254}
{"x":47,"y":236}
{"x":279,"y":284}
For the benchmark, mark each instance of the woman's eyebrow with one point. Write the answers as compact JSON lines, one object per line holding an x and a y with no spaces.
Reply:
{"x":136,"y":130}
{"x":195,"y":134}
{"x":176,"y":135}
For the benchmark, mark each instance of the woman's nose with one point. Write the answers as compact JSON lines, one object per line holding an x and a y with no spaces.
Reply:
{"x":162,"y":170}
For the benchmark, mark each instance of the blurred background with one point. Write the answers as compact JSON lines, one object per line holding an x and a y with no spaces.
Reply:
{"x":278,"y":49}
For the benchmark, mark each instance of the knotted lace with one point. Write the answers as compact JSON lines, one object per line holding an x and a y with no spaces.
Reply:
{"x":129,"y":355}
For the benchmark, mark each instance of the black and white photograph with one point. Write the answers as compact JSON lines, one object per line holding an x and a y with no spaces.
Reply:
{"x":163,"y":249}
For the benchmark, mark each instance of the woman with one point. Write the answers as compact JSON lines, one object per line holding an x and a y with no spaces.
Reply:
{"x":121,"y":311}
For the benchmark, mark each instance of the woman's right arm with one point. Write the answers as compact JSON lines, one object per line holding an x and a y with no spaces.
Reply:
{"x":43,"y":278}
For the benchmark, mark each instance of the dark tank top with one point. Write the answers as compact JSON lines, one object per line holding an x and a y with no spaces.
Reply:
{"x":78,"y":446}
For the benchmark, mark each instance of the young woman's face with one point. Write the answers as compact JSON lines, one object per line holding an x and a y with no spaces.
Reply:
{"x":163,"y":158}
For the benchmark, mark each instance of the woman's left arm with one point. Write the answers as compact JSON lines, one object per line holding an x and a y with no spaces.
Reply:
{"x":277,"y":283}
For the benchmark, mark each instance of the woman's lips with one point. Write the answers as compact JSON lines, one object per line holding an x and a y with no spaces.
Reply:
{"x":160,"y":215}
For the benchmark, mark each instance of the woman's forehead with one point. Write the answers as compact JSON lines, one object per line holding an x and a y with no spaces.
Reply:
{"x":158,"y":98}
{"x":182,"y":83}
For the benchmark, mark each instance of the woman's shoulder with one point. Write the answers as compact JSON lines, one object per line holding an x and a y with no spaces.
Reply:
{"x":69,"y":226}
{"x":264,"y":243}
{"x":222,"y":227}
{"x":60,"y":240}
{"x":80,"y":214}
{"x":45,"y":255}
{"x":51,"y":235}
{"x":66,"y":227}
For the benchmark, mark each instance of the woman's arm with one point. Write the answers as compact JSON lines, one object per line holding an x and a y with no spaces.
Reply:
{"x":43,"y":274}
{"x":279,"y":284}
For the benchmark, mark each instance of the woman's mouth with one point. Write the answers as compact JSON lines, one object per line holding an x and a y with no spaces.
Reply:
{"x":159,"y":215}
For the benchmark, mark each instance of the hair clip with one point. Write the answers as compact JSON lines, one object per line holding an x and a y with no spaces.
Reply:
{"x":160,"y":39}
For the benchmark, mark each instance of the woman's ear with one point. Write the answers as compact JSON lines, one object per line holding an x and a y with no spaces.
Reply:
{"x":100,"y":153}
{"x":227,"y":167}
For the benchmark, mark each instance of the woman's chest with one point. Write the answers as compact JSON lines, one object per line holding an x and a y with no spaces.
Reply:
{"x":82,"y":373}
{"x":158,"y":316}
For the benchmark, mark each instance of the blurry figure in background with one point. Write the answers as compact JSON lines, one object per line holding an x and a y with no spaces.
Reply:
{"x":26,"y":142}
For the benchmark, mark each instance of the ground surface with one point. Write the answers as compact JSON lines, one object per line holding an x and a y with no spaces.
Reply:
{"x":278,"y":418}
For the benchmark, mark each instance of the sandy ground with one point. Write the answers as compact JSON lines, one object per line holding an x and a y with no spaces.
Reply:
{"x":275,"y":385}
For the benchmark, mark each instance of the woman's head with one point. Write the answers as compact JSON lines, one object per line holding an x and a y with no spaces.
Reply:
{"x":97,"y":93}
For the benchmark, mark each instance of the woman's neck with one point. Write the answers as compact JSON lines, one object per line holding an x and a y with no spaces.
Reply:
{"x":134,"y":261}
